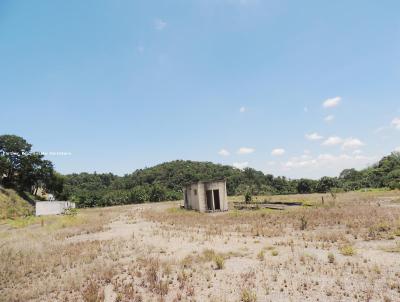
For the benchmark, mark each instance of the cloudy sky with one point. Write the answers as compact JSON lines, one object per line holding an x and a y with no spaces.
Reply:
{"x":294,"y":88}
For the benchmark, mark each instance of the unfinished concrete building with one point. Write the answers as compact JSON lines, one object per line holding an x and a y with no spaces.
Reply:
{"x":206,"y":196}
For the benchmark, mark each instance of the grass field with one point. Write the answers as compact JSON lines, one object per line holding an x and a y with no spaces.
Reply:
{"x":12,"y":205}
{"x":344,"y":249}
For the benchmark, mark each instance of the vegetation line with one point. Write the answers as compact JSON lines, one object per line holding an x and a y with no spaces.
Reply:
{"x":27,"y":171}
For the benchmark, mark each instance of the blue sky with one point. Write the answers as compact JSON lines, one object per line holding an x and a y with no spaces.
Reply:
{"x":294,"y":88}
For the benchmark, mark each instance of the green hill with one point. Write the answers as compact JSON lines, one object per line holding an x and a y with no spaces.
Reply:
{"x":165,"y":182}
{"x":13,"y":205}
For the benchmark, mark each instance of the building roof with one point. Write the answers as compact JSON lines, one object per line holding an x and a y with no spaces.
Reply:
{"x":205,"y":182}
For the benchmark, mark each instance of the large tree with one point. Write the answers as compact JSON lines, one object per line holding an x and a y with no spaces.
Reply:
{"x":326,"y":184}
{"x":305,"y":186}
{"x":35,"y":173}
{"x":22,"y":169}
{"x":12,"y":150}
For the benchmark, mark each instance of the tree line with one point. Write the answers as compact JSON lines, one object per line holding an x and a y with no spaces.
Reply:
{"x":26,"y":170}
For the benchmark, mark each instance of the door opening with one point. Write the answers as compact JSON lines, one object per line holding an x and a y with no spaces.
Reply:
{"x":209,"y":200}
{"x":216,"y":200}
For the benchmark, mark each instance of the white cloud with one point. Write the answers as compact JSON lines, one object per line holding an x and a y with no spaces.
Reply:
{"x":397,"y":149}
{"x":332,"y":141}
{"x":159,"y":24}
{"x":396,"y":123}
{"x":352,"y":143}
{"x":278,"y":152}
{"x":348,"y":143}
{"x":242,"y":109}
{"x":314,"y":136}
{"x":224,"y":152}
{"x":333,"y":102}
{"x":240,"y":165}
{"x":357,"y":152}
{"x":245,"y":150}
{"x":305,"y":156}
{"x":329,"y":118}
{"x":326,"y":164}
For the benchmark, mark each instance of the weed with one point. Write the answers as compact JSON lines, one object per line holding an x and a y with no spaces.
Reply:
{"x":71,"y":212}
{"x":209,"y":254}
{"x":219,"y":262}
{"x":248,"y":296}
{"x":303,"y":223}
{"x":187,"y":261}
{"x":261,"y":255}
{"x":331,"y":258}
{"x":348,"y":250}
{"x":248,"y":196}
{"x":92,"y":293}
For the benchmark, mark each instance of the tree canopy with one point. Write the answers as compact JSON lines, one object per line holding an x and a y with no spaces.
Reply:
{"x":22,"y":169}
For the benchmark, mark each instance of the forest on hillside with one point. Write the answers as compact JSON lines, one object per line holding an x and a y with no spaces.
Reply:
{"x":26,"y":171}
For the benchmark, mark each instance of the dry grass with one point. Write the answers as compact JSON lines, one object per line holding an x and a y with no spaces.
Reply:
{"x":36,"y":259}
{"x":12,"y":205}
{"x":159,"y":253}
{"x":352,"y":212}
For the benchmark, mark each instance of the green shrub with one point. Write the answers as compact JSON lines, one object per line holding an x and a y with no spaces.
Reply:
{"x":139,"y":194}
{"x":348,"y":250}
{"x":247,"y":196}
{"x":71,"y":212}
{"x":219,"y":261}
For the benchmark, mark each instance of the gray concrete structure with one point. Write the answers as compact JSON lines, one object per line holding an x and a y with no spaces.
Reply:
{"x":53,"y":207}
{"x":206,"y":196}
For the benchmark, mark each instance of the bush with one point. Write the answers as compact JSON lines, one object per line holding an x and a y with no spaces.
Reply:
{"x":219,"y":261}
{"x":247,"y":196}
{"x":139,"y":194}
{"x":71,"y":212}
{"x":331,"y":258}
{"x":158,"y":193}
{"x":348,"y":250}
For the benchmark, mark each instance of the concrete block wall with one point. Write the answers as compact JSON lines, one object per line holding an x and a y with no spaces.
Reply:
{"x":199,"y":201}
{"x":52,"y":207}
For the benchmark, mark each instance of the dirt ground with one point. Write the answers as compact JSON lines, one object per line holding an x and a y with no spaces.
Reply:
{"x":347,"y":249}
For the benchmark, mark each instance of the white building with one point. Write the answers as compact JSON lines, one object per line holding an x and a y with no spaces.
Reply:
{"x":206,"y":196}
{"x":53,"y":207}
